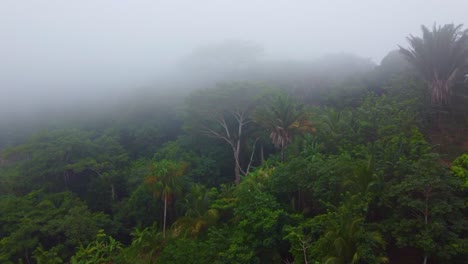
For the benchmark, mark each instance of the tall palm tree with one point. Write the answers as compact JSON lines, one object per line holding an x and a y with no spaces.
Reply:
{"x":283,"y":117}
{"x":439,"y":56}
{"x":166,"y":180}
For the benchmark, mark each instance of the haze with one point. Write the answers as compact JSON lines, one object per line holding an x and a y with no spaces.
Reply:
{"x":68,"y":52}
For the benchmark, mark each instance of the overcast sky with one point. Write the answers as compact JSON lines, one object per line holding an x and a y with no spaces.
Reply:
{"x":57,"y":48}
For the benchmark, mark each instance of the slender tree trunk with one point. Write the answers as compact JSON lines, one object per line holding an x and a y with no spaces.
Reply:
{"x":113,"y":192}
{"x":65,"y":179}
{"x":165,"y":214}
{"x":262,"y":154}
{"x":237,"y":170}
{"x":26,"y":255}
{"x":299,"y":200}
{"x":304,"y":251}
{"x":425,"y":224}
{"x":426,"y":217}
{"x":282,"y":151}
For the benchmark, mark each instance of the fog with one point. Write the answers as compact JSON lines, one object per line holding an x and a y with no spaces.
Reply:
{"x":56,"y":54}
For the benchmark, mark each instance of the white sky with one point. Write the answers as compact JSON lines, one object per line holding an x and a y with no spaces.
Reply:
{"x":58,"y":48}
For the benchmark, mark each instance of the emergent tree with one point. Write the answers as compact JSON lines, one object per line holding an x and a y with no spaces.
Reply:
{"x":439,"y":56}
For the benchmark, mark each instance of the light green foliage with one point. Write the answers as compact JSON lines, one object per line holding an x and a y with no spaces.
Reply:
{"x":165,"y":181}
{"x":104,"y":249}
{"x":198,"y":212}
{"x":347,"y":239}
{"x":47,"y":257}
{"x":255,"y":228}
{"x":146,"y":244}
{"x":339,"y":237}
{"x":302,"y":237}
{"x":165,"y":178}
{"x":460,"y":169}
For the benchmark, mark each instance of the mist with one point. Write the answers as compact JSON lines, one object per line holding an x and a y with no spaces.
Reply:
{"x":61,"y":56}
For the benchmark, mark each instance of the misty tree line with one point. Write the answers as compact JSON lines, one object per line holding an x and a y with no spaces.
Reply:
{"x":338,"y":161}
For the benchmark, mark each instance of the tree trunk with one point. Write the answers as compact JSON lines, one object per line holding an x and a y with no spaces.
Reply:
{"x":427,"y":194}
{"x":304,"y":251}
{"x":440,"y":92}
{"x":237,"y":174}
{"x":165,"y":213}
{"x":237,"y":170}
{"x":282,"y":151}
{"x":26,"y":256}
{"x":112,"y":192}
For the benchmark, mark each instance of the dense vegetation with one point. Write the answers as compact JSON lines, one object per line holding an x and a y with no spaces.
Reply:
{"x":281,"y":163}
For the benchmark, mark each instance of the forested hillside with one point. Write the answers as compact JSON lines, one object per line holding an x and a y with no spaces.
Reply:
{"x":330,"y":161}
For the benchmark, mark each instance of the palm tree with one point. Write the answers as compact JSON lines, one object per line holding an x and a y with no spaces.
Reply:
{"x":198,"y":212}
{"x":439,"y":56}
{"x":146,"y":243}
{"x":346,"y":240}
{"x":363,"y":180}
{"x":283,"y":117}
{"x":165,"y":181}
{"x":336,"y":125}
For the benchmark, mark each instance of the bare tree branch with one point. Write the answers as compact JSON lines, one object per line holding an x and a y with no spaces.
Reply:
{"x":251,"y":155}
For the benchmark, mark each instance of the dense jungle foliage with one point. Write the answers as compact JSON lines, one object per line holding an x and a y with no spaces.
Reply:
{"x":283,"y":162}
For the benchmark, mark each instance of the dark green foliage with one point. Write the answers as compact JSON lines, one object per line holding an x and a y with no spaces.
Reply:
{"x":202,"y":161}
{"x":184,"y":250}
{"x":225,"y":114}
{"x":54,"y":222}
{"x":426,"y":209}
{"x":142,"y":208}
{"x":67,"y":160}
